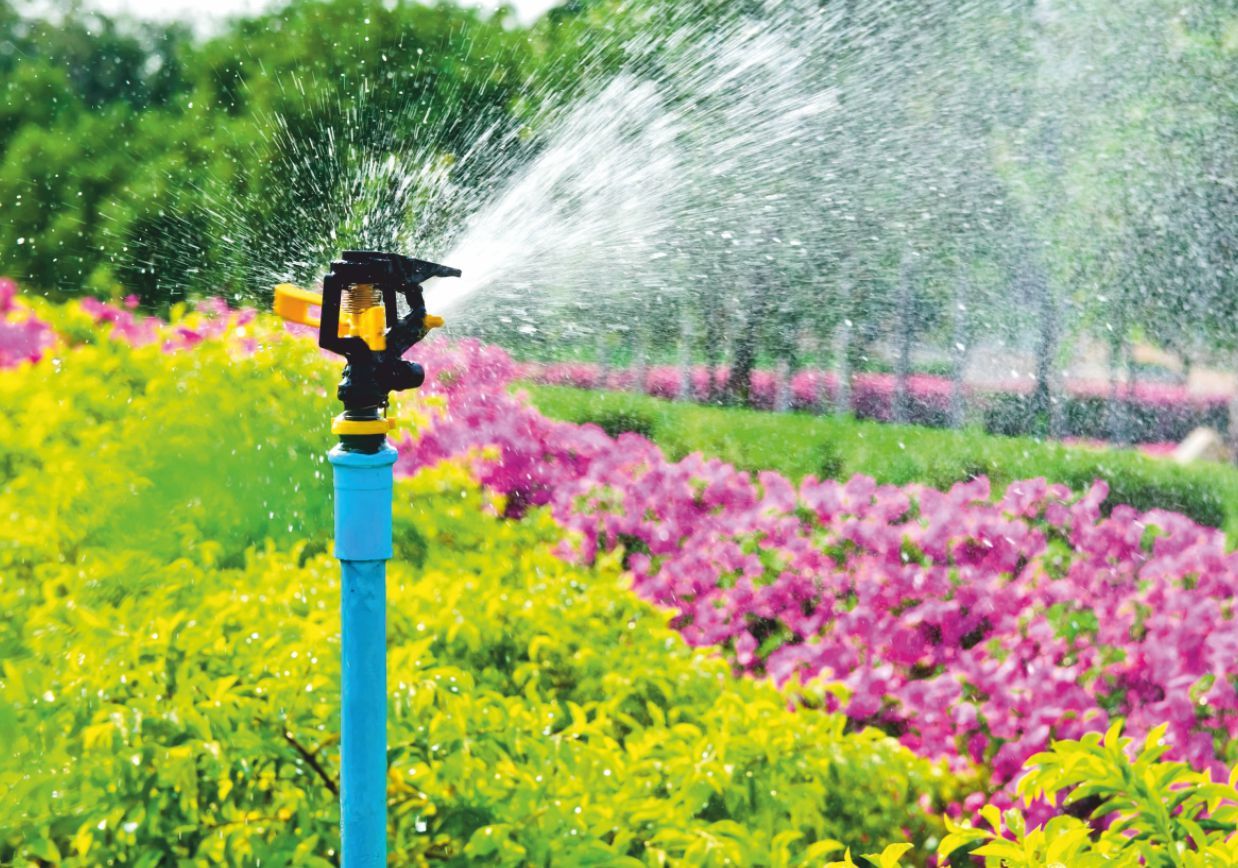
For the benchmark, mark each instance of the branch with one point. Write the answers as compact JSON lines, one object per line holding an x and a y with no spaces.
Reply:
{"x":310,"y":758}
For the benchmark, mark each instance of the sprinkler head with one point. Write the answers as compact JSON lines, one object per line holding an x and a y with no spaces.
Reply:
{"x":359,"y":320}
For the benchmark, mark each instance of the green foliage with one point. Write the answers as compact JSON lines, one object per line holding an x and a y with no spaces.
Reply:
{"x":136,"y":159}
{"x":622,"y":422}
{"x":1142,"y":812}
{"x":111,"y":445}
{"x":887,"y":858}
{"x":1164,"y":813}
{"x":169,"y":640}
{"x":797,"y":445}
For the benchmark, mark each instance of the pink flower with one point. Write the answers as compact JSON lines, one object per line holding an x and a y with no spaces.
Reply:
{"x":23,"y":336}
{"x":8,"y":291}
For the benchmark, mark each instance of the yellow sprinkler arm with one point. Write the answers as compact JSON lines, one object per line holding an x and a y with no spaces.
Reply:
{"x":293,"y":304}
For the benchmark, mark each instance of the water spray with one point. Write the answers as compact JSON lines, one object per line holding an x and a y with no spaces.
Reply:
{"x":359,"y":319}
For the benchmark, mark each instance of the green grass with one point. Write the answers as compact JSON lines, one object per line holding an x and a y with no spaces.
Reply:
{"x":797,"y":445}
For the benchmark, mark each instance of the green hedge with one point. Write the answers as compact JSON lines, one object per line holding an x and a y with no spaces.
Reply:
{"x":1089,"y":417}
{"x":798,"y":444}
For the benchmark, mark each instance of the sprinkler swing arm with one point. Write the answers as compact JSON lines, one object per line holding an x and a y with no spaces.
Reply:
{"x":359,"y":321}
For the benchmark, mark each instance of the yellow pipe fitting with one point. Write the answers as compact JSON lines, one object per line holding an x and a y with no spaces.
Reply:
{"x":340,"y":425}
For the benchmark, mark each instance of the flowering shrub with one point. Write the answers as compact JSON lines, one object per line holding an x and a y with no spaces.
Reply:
{"x":29,"y":327}
{"x":1159,"y":412}
{"x":211,"y":318}
{"x":23,"y":336}
{"x":970,"y":628}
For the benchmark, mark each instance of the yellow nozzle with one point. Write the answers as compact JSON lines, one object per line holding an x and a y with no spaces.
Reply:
{"x":370,"y":325}
{"x":433,"y":322}
{"x":293,"y":304}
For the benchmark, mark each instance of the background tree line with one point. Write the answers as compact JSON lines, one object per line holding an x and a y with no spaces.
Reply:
{"x":1018,"y":172}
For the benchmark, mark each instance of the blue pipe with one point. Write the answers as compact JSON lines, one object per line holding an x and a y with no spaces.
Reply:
{"x":363,"y":484}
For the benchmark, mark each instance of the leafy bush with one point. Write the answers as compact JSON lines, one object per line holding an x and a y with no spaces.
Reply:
{"x":830,"y":460}
{"x":1147,"y":811}
{"x":623,"y":422}
{"x":539,"y":713}
{"x":117,"y":443}
{"x":1123,"y":811}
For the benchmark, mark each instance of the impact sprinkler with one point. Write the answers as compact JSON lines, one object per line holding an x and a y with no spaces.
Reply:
{"x":359,"y":320}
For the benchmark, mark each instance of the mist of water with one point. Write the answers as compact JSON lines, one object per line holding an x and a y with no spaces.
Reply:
{"x":908,"y":172}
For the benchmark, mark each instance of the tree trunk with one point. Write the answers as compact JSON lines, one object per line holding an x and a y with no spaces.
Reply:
{"x":685,"y":391}
{"x":1117,"y":422}
{"x":846,"y":337}
{"x":603,"y":359}
{"x":738,"y":389}
{"x":1045,"y":413}
{"x":752,"y":321}
{"x":958,"y":368}
{"x":904,"y":337}
{"x":640,"y":364}
{"x":782,"y":386}
{"x":1231,"y":429}
{"x":714,"y":337}
{"x":783,"y":338}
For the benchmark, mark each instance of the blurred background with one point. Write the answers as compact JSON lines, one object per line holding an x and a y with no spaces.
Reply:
{"x":1027,"y":199}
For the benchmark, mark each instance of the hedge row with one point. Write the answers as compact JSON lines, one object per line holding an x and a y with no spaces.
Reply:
{"x":1154,"y":413}
{"x":838,"y":448}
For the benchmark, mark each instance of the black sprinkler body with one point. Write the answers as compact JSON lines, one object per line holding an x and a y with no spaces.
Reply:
{"x":360,"y":321}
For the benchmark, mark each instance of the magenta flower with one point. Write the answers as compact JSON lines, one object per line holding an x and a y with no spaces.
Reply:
{"x":23,"y":336}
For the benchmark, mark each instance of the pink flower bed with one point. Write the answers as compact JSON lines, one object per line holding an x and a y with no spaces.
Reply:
{"x":973,"y":627}
{"x":26,"y":338}
{"x":872,"y":394}
{"x":121,"y":323}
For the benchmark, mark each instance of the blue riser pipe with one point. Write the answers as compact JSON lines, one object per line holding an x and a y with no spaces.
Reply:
{"x":363,"y":484}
